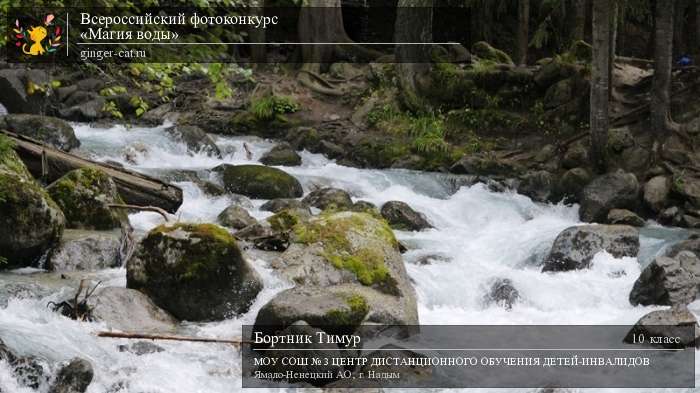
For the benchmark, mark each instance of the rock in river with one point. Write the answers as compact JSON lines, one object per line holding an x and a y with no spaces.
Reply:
{"x":84,"y":250}
{"x":347,"y":269}
{"x":671,"y":323}
{"x":32,"y":222}
{"x":129,"y":310}
{"x":328,"y":198}
{"x":259,"y":182}
{"x":50,"y":130}
{"x":75,"y":377}
{"x":235,"y":217}
{"x":617,"y":190}
{"x":195,"y":138}
{"x":402,"y":217}
{"x":575,"y":247}
{"x":194,"y":271}
{"x":84,"y":196}
{"x":281,"y":155}
{"x":665,"y":282}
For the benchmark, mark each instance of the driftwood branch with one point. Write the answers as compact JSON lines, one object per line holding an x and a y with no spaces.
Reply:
{"x":142,"y":208}
{"x":144,"y":336}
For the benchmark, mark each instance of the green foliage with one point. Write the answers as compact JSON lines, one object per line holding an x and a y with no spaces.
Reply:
{"x":268,"y":107}
{"x":429,"y":135}
{"x":113,"y":91}
{"x":217,"y":76}
{"x":140,"y":106}
{"x":111,"y":108}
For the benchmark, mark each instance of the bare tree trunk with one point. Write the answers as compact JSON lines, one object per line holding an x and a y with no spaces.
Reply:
{"x":580,"y":26}
{"x":697,"y":28}
{"x":258,"y":53}
{"x":663,"y":59}
{"x":523,"y":30}
{"x":414,"y":23}
{"x":321,"y":21}
{"x":613,"y":46}
{"x":600,"y":84}
{"x":679,"y":42}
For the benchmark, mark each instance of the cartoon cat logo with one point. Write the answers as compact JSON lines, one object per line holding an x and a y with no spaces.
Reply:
{"x":31,"y":41}
{"x":36,"y":34}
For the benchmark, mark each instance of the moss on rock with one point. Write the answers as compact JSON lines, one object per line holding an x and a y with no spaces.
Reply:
{"x":84,"y":195}
{"x":31,"y":220}
{"x":336,"y":232}
{"x":353,"y":315}
{"x":484,"y":50}
{"x":259,"y":182}
{"x":195,"y":271}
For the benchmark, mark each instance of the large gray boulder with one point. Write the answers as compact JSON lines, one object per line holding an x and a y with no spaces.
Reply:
{"x":235,"y":217}
{"x":50,"y":130}
{"x":343,"y":263}
{"x":129,"y":310}
{"x":616,"y":190}
{"x":82,"y":250}
{"x":575,"y":247}
{"x":664,"y":282}
{"x":402,"y":217}
{"x":670,"y":323}
{"x":538,"y":185}
{"x":328,"y":198}
{"x":259,"y":182}
{"x":84,"y":195}
{"x":195,"y":139}
{"x":75,"y":377}
{"x":194,"y":271}
{"x":32,"y":222}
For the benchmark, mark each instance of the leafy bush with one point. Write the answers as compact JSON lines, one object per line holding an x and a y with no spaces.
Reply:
{"x":268,"y":107}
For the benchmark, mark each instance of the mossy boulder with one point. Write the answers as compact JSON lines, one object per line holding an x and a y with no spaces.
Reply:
{"x":50,"y":130}
{"x":484,"y":50}
{"x":272,"y":234}
{"x":84,"y":196}
{"x":259,"y":182}
{"x":281,"y":155}
{"x":32,"y":222}
{"x":316,"y":306}
{"x":554,"y":71}
{"x":328,"y":198}
{"x":194,"y":271}
{"x":335,"y":258}
{"x":279,"y":204}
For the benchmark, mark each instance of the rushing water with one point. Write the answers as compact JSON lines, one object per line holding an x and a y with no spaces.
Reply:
{"x":480,"y":236}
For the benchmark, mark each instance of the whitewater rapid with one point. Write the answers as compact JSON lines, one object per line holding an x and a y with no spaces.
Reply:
{"x":480,"y":236}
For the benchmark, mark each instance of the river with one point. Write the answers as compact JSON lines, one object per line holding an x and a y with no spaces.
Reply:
{"x":479,"y":236}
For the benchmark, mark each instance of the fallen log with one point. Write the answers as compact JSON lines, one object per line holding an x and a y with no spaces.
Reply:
{"x":50,"y":164}
{"x":143,"y":336}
